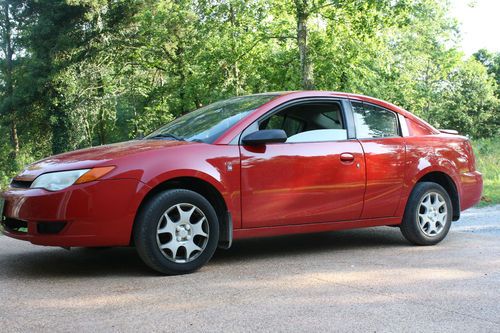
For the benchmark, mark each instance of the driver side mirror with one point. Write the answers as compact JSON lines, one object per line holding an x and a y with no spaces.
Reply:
{"x":263,"y":137}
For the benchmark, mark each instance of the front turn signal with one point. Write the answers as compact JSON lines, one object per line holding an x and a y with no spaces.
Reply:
{"x":94,"y":174}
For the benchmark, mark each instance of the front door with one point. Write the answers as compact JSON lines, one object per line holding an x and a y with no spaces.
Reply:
{"x":317,"y":176}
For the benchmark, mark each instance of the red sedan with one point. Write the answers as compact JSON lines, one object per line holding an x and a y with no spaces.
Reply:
{"x":251,"y":166}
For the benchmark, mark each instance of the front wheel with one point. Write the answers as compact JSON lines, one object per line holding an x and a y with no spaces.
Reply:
{"x":428,"y":214}
{"x":176,"y":232}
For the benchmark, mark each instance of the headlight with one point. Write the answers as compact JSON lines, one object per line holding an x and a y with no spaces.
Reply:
{"x":55,"y":181}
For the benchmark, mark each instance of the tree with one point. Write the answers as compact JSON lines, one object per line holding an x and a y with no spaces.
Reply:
{"x":9,"y":44}
{"x":303,"y":10}
{"x":492,"y":62}
{"x":51,"y":35}
{"x":469,"y":102}
{"x":77,"y":73}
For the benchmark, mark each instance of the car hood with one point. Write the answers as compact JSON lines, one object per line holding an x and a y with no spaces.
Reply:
{"x":95,"y":156}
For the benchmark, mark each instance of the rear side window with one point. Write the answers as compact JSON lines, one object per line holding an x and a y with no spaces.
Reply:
{"x":374,"y":122}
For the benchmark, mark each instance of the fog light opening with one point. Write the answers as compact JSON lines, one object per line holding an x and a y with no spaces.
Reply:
{"x":50,"y":227}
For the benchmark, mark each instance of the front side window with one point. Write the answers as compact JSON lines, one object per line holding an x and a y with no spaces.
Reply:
{"x":290,"y":125}
{"x":374,"y":122}
{"x":309,"y":122}
{"x":210,"y":122}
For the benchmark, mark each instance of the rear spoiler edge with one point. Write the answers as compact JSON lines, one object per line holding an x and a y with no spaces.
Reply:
{"x":448,"y":131}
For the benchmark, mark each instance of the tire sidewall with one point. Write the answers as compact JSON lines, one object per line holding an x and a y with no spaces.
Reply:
{"x":410,"y":221}
{"x":145,"y":232}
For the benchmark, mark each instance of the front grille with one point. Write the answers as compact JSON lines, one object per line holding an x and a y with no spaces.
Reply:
{"x":14,"y":225}
{"x":21,"y":183}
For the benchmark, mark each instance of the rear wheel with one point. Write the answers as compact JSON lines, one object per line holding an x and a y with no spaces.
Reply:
{"x":176,"y":232}
{"x":428,"y":214}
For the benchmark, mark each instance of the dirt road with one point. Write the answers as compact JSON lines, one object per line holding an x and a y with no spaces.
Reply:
{"x":362,"y":280}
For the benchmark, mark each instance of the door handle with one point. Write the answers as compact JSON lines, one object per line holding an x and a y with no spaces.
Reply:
{"x":347,"y":157}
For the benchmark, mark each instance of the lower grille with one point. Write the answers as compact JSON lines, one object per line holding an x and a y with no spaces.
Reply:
{"x":14,"y":225}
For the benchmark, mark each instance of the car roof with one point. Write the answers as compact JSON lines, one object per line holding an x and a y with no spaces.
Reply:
{"x":286,"y":96}
{"x":357,"y":97}
{"x":353,"y":96}
{"x":323,"y":93}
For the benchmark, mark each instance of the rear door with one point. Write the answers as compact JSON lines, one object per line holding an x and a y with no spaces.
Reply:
{"x":378,"y":131}
{"x":317,"y":176}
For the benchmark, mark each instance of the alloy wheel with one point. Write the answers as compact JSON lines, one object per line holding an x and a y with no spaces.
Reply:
{"x":432,"y":214}
{"x":182,"y":233}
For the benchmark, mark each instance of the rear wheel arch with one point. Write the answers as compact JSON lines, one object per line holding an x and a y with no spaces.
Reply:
{"x":427,"y":217}
{"x":449,"y":185}
{"x":202,"y":187}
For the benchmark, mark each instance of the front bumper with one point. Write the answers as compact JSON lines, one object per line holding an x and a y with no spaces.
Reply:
{"x":100,"y":213}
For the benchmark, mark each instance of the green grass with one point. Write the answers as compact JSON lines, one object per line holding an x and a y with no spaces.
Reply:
{"x":488,"y":163}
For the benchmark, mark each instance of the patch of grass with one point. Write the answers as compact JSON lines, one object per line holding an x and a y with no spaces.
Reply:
{"x":488,"y":163}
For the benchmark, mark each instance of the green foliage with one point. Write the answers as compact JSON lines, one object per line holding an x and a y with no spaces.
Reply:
{"x":91,"y":72}
{"x":470,"y":102}
{"x":487,"y":160}
{"x":492,"y":63}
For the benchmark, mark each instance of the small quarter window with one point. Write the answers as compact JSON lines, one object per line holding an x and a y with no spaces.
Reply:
{"x":374,"y":122}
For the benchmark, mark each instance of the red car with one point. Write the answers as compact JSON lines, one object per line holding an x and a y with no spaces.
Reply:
{"x":251,"y":166}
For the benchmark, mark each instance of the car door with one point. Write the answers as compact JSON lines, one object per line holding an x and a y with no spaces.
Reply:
{"x":378,"y":131}
{"x":318,"y":175}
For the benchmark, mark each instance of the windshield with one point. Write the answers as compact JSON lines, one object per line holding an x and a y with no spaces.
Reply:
{"x":208,"y":123}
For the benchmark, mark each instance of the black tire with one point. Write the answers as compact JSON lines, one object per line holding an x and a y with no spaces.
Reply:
{"x":147,"y":224}
{"x":411,"y":228}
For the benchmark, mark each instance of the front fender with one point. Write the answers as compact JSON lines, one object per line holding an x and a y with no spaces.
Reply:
{"x":217,"y":165}
{"x":213,"y":179}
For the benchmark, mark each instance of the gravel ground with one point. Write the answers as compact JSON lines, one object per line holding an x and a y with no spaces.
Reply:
{"x":358,"y":280}
{"x":480,"y":220}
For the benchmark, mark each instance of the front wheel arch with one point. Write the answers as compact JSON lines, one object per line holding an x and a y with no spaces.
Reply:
{"x":181,"y":228}
{"x":202,"y":187}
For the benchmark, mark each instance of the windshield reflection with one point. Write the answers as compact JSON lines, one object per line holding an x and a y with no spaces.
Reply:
{"x":210,"y":122}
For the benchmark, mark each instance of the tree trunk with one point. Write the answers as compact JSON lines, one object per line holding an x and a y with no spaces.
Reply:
{"x":235,"y":66}
{"x":61,"y":127}
{"x":180,"y":70}
{"x":14,"y":139}
{"x":182,"y":89}
{"x":101,"y":127}
{"x":9,"y":89}
{"x":236,"y":74}
{"x":61,"y":136}
{"x":306,"y":68}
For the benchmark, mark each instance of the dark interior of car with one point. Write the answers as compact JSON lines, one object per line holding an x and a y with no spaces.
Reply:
{"x":306,"y":118}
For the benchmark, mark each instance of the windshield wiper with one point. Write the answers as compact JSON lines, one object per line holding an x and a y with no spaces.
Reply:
{"x":166,"y":136}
